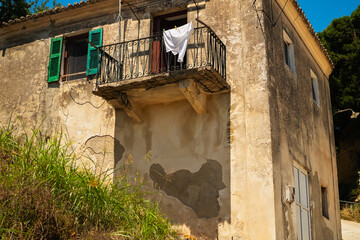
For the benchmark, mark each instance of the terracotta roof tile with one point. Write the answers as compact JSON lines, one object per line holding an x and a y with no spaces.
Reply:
{"x":312,"y":31}
{"x":48,"y":12}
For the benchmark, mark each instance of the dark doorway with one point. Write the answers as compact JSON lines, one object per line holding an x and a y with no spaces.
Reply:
{"x":76,"y":49}
{"x":162,"y":62}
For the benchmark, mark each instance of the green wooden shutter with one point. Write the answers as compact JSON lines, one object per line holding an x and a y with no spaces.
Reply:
{"x":93,"y":58}
{"x":55,"y":59}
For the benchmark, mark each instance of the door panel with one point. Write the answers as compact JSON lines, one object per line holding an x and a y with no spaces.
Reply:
{"x":302,"y":203}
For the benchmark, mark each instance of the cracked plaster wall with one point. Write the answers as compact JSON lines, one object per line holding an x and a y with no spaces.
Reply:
{"x":301,"y":131}
{"x":67,"y":107}
{"x":252,"y":116}
{"x":246,"y":163}
{"x":171,"y":150}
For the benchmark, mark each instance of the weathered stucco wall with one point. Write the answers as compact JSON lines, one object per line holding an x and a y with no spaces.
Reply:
{"x":68,"y":107}
{"x":214,"y":191}
{"x":186,"y":156}
{"x":251,"y":176}
{"x":217,"y":175}
{"x":302,"y":131}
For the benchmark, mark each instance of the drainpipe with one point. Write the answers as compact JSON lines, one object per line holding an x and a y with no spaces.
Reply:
{"x":197,"y":13}
{"x":119,"y":20}
{"x":119,"y":50}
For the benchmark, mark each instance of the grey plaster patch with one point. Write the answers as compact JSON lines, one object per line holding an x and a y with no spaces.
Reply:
{"x":199,"y":190}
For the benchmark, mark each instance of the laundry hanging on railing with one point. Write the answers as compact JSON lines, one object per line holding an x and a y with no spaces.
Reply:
{"x":176,"y":40}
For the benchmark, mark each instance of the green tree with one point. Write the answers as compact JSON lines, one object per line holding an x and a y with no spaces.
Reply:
{"x":39,"y":6}
{"x":11,"y":9}
{"x":42,"y":5}
{"x":342,"y":39}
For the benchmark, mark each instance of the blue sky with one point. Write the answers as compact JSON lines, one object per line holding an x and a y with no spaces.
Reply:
{"x":319,"y":12}
{"x":322,"y":12}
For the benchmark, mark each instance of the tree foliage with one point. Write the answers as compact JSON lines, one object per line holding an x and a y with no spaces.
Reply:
{"x":342,"y":39}
{"x":42,"y":5}
{"x":11,"y":9}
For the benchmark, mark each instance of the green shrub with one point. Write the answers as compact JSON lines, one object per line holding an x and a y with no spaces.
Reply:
{"x":44,"y":195}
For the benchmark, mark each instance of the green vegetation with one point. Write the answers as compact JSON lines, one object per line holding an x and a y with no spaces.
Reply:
{"x":44,"y":195}
{"x":355,"y":193}
{"x":351,"y":213}
{"x":342,"y":40}
{"x":11,"y":9}
{"x":41,"y":6}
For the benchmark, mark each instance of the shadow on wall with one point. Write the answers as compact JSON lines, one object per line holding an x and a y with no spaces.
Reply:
{"x":199,"y":190}
{"x":189,"y":163}
{"x":102,"y":149}
{"x":318,"y":223}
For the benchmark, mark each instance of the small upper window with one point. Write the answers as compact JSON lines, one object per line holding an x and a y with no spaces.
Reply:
{"x":289,"y":51}
{"x":315,"y":87}
{"x":324,"y":201}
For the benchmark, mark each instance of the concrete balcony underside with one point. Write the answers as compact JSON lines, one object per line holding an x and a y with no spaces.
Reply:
{"x":206,"y":78}
{"x":193,"y":85}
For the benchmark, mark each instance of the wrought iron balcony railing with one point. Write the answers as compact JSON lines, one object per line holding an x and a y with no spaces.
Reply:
{"x":147,"y":56}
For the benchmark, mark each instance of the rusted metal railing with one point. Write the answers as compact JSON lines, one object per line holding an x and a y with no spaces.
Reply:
{"x":147,"y":56}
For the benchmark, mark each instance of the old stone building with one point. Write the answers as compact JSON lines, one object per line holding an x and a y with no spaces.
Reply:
{"x":237,"y":140}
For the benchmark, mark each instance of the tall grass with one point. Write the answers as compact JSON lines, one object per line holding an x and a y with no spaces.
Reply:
{"x":44,"y":195}
{"x":351,"y":213}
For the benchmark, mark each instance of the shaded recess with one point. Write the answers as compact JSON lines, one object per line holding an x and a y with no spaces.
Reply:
{"x":199,"y":190}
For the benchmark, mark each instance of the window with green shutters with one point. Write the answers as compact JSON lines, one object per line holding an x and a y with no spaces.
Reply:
{"x":95,"y":37}
{"x":55,"y":59}
{"x":75,"y":62}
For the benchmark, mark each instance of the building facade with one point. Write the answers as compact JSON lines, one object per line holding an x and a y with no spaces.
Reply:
{"x":236,"y":142}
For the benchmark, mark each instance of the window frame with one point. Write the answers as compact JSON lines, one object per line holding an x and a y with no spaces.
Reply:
{"x":62,"y":66}
{"x":289,"y":51}
{"x":65,"y":59}
{"x":315,"y":88}
{"x":325,"y":202}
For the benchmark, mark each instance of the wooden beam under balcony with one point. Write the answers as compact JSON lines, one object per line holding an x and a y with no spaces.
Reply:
{"x":130,"y":107}
{"x":192,"y":93}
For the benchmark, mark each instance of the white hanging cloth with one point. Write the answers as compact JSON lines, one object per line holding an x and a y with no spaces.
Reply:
{"x":176,"y":40}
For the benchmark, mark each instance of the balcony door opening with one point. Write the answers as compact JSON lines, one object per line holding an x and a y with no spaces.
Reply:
{"x":162,"y":61}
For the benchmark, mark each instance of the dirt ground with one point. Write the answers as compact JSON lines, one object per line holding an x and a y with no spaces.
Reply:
{"x":350,"y":230}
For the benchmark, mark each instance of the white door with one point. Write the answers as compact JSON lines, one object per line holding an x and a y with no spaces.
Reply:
{"x":302,"y":203}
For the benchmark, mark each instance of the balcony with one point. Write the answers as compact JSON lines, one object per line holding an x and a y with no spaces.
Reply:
{"x":144,"y":64}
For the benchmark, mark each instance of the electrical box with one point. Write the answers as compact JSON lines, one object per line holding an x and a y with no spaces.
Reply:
{"x":289,"y":194}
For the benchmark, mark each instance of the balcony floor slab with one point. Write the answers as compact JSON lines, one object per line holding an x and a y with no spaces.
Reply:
{"x":208,"y":80}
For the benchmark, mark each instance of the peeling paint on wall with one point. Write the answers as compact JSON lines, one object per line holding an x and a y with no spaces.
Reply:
{"x":199,"y":190}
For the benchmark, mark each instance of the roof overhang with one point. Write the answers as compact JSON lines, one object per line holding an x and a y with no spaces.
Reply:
{"x":306,"y":32}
